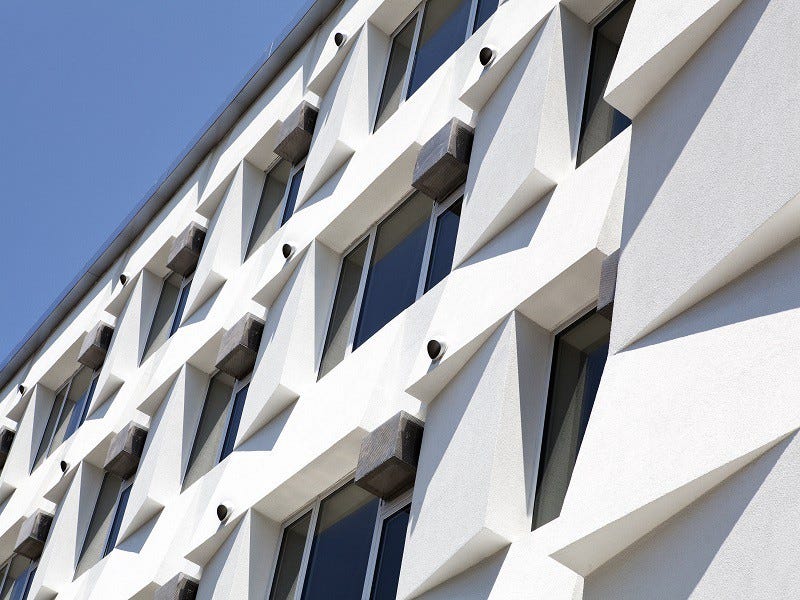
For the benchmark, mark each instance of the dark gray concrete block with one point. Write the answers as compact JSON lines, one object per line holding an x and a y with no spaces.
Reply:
{"x":239,"y":346}
{"x":608,"y":285}
{"x":95,"y":346}
{"x":185,"y":251}
{"x":443,"y":161}
{"x":126,"y":450}
{"x":33,"y":535}
{"x":180,"y":587}
{"x":387,"y":462}
{"x":294,"y":138}
{"x":6,"y":439}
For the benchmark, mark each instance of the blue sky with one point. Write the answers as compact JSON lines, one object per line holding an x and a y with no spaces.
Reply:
{"x":98,"y":98}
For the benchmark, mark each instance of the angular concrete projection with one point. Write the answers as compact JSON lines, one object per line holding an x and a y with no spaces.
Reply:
{"x":530,"y":112}
{"x":126,"y":451}
{"x":33,"y":535}
{"x":239,"y":346}
{"x":345,"y":114}
{"x":443,"y":161}
{"x":180,"y":587}
{"x":293,"y":336}
{"x":469,"y":504}
{"x":185,"y":252}
{"x":29,"y":433}
{"x":294,"y":138}
{"x":676,"y":250}
{"x":167,"y":448}
{"x":133,"y":325}
{"x":228,"y":234}
{"x":237,"y":569}
{"x":650,"y":56}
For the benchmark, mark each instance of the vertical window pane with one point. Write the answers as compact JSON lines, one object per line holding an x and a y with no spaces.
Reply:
{"x":162,"y":318}
{"x":395,"y":266}
{"x":444,"y":27}
{"x":290,"y":557}
{"x":486,"y":8}
{"x":268,"y":213}
{"x":82,"y":408}
{"x":233,"y":422}
{"x":81,"y":382}
{"x":390,"y":555}
{"x":399,"y":55}
{"x":340,"y":549}
{"x":50,"y":427}
{"x":291,"y":198}
{"x":209,"y":429}
{"x":113,"y":533}
{"x":579,"y":358}
{"x":444,"y":245}
{"x":601,"y":121}
{"x":343,"y":308}
{"x":176,"y":319}
{"x":95,"y":540}
{"x":22,"y":585}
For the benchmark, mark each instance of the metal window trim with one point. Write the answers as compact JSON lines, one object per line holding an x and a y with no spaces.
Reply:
{"x":292,"y":173}
{"x":126,"y":484}
{"x":385,"y":511}
{"x":84,"y":403}
{"x":185,"y":283}
{"x":270,"y":168}
{"x":439,"y":208}
{"x":65,"y":387}
{"x":238,"y":385}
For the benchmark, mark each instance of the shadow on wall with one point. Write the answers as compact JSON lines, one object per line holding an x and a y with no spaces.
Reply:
{"x":723,"y":541}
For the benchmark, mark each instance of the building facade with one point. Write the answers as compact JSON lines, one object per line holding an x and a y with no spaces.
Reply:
{"x":454,"y":299}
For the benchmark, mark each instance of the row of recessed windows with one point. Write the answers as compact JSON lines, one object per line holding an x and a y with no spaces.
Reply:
{"x":396,"y":262}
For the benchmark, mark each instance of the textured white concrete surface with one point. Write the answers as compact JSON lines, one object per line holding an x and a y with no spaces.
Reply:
{"x":686,"y":482}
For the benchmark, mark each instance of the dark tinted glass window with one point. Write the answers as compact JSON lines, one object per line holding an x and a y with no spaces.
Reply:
{"x":22,"y":585}
{"x":113,"y":534}
{"x":95,"y":541}
{"x":579,"y":358}
{"x":601,"y":121}
{"x":81,"y":409}
{"x":444,"y":28}
{"x":268,"y":214}
{"x":291,"y":198}
{"x":395,"y":266}
{"x":290,"y":558}
{"x":486,"y":8}
{"x":340,"y":549}
{"x":233,"y":422}
{"x":444,"y":245}
{"x":50,"y":426}
{"x":78,"y":387}
{"x":392,"y":92}
{"x":176,"y":320}
{"x":343,"y":308}
{"x":390,"y":555}
{"x":162,"y":318}
{"x":210,"y":429}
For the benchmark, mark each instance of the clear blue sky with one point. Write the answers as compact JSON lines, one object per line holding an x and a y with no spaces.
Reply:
{"x":96,"y":101}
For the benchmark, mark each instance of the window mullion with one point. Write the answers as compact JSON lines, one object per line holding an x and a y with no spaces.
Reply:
{"x":373,"y":551}
{"x":473,"y":14}
{"x":412,"y":56}
{"x":362,"y":285}
{"x":426,"y":257}
{"x":312,"y":528}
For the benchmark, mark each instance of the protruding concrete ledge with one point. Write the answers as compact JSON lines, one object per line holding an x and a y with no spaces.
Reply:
{"x":185,"y":251}
{"x":387,"y":462}
{"x":180,"y":587}
{"x":6,"y":439}
{"x":294,"y":138}
{"x":95,"y":346}
{"x":239,"y":347}
{"x":126,"y":450}
{"x":33,"y":535}
{"x":443,"y":161}
{"x":608,"y":285}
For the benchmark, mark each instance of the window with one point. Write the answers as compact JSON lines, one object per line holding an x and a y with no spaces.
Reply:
{"x":16,"y":576}
{"x":579,"y":357}
{"x":349,"y":541}
{"x":601,"y":121}
{"x":279,"y":192}
{"x":423,"y":43}
{"x":234,"y":418}
{"x":183,"y":295}
{"x":399,"y":260}
{"x":103,"y":530}
{"x":218,"y":425}
{"x":69,"y":411}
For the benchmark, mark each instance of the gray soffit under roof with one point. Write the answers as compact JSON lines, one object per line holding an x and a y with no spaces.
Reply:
{"x":307,"y":20}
